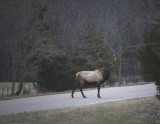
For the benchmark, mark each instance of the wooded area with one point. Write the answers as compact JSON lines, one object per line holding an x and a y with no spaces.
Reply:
{"x":49,"y":41}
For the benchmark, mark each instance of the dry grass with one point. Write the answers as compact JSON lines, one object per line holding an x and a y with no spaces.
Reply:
{"x":6,"y":87}
{"x":136,"y":111}
{"x":27,"y":91}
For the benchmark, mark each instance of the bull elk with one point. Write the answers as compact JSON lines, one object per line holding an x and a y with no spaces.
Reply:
{"x":98,"y":76}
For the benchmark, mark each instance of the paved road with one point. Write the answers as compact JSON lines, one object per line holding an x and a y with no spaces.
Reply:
{"x":65,"y":100}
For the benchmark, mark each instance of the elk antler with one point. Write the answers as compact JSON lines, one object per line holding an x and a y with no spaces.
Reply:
{"x":99,"y":58}
{"x":104,"y":62}
{"x":113,"y":60}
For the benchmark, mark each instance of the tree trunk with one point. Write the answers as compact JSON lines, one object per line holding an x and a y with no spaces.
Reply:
{"x":120,"y":66}
{"x":13,"y":86}
{"x":19,"y":89}
{"x":13,"y":75}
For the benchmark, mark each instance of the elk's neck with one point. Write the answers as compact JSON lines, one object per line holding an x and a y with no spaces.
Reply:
{"x":106,"y":73}
{"x":107,"y":68}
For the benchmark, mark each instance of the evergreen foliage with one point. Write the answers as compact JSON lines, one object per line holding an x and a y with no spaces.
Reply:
{"x":149,"y":54}
{"x":60,"y":74}
{"x":92,"y":40}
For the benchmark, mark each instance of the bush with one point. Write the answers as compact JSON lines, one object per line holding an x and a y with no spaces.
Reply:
{"x":59,"y":75}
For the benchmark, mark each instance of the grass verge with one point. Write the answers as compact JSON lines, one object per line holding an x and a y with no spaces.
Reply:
{"x":29,"y":91}
{"x":135,"y":111}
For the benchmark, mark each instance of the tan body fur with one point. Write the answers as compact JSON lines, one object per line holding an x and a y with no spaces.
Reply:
{"x":98,"y":76}
{"x":90,"y":76}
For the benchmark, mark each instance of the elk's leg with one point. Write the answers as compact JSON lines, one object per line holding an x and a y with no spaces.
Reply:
{"x":80,"y":87}
{"x":98,"y":95}
{"x":74,"y":89}
{"x":82,"y":92}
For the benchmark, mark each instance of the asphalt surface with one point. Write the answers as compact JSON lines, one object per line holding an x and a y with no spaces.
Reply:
{"x":65,"y":100}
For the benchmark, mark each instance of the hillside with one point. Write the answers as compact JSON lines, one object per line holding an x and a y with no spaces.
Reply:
{"x":34,"y":31}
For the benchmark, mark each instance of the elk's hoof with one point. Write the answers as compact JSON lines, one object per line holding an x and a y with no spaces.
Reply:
{"x":98,"y":96}
{"x":84,"y":97}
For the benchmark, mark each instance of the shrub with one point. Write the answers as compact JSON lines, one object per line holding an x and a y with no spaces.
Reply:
{"x":59,"y":75}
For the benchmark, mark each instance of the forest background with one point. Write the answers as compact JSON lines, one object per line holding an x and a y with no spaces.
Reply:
{"x":46,"y":42}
